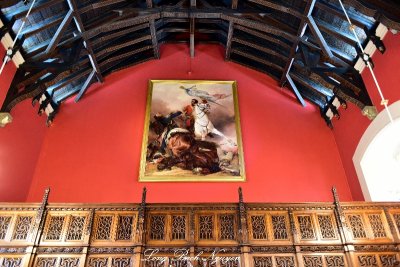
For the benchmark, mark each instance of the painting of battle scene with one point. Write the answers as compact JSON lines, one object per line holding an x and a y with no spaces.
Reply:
{"x":192,"y":132}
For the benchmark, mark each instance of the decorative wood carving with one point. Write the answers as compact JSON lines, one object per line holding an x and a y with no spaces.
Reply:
{"x":200,"y":235}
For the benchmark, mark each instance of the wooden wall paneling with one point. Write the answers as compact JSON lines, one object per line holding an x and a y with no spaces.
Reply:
{"x":199,"y":235}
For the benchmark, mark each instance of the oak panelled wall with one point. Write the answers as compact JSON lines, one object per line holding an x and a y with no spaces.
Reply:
{"x":204,"y":235}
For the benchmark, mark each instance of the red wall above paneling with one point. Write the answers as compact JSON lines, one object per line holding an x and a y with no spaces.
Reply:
{"x":20,"y":143}
{"x":92,"y":151}
{"x":352,"y":125}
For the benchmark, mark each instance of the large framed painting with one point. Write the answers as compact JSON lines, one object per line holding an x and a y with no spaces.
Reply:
{"x":192,"y":132}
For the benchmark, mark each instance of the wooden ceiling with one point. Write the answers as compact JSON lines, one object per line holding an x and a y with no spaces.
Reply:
{"x":306,"y":45}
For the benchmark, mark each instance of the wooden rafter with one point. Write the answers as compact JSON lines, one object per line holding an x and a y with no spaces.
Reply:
{"x":262,"y":34}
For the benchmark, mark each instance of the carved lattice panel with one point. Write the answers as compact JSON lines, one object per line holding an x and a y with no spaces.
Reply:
{"x":103,"y":227}
{"x":46,"y":262}
{"x":279,"y":227}
{"x":284,"y":261}
{"x":69,"y":262}
{"x":121,"y":262}
{"x":55,"y":228}
{"x":258,"y":227}
{"x":22,"y":227}
{"x":306,"y":227}
{"x":388,"y":260}
{"x":157,"y":227}
{"x":334,"y":261}
{"x":378,"y":230}
{"x":206,"y":227}
{"x":178,"y":227}
{"x":357,"y":226}
{"x":97,"y":262}
{"x":154,"y":262}
{"x":75,"y":228}
{"x":326,"y":226}
{"x":11,"y":262}
{"x":367,"y":261}
{"x":227,"y":226}
{"x":177,"y":262}
{"x":312,"y":261}
{"x":396,"y":218}
{"x":262,"y":261}
{"x":125,"y":226}
{"x":4,"y":224}
{"x":229,"y":261}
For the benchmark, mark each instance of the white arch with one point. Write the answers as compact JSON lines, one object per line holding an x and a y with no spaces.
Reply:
{"x":376,"y":154}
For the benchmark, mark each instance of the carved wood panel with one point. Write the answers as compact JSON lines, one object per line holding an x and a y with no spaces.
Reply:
{"x":368,"y":225}
{"x":278,"y":235}
{"x":316,"y":227}
{"x":115,"y":227}
{"x":268,"y":226}
{"x":377,"y":259}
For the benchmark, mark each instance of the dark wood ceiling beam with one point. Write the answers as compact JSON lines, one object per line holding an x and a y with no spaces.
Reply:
{"x":228,"y":45}
{"x":172,"y":30}
{"x":191,"y":37}
{"x":192,"y":25}
{"x":125,"y":63}
{"x":37,"y":52}
{"x":329,"y":29}
{"x":154,"y":41}
{"x":59,"y":33}
{"x":68,"y":80}
{"x":308,"y":82}
{"x":79,"y":24}
{"x":319,"y":37}
{"x":337,"y":11}
{"x":296,"y":91}
{"x":313,"y":97}
{"x":257,"y":59}
{"x":279,"y":7}
{"x":63,"y":94}
{"x":263,"y":36}
{"x":100,"y":4}
{"x":260,"y":48}
{"x":124,"y":55}
{"x":85,"y":86}
{"x":21,"y":12}
{"x":259,"y":26}
{"x":41,"y":26}
{"x":300,"y":32}
{"x":113,"y":26}
{"x":119,"y":34}
{"x":104,"y":51}
{"x":385,"y":11}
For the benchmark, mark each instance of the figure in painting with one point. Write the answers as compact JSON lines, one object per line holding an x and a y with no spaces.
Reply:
{"x":176,"y":146}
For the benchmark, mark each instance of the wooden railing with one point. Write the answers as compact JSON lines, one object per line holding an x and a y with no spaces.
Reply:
{"x":205,"y":235}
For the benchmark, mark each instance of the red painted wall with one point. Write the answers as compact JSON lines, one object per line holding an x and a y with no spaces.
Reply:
{"x":20,"y":143}
{"x":92,"y":151}
{"x":352,"y":125}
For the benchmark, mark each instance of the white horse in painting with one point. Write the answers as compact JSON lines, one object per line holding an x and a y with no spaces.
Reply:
{"x":202,"y":124}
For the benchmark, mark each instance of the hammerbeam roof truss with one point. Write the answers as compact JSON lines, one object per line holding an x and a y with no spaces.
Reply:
{"x":306,"y":45}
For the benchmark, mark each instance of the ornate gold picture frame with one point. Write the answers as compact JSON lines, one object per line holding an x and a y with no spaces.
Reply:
{"x":192,"y":132}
